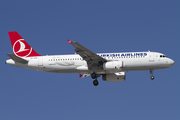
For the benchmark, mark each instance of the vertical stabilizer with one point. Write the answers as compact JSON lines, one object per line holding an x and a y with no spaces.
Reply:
{"x":20,"y":47}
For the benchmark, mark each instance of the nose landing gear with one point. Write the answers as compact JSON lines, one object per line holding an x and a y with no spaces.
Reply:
{"x":152,"y":77}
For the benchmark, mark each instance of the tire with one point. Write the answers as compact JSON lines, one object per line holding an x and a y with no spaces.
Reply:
{"x":93,"y":75}
{"x":152,"y":77}
{"x":95,"y":82}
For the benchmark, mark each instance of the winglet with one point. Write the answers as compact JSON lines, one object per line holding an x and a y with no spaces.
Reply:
{"x":69,"y":41}
{"x":80,"y":75}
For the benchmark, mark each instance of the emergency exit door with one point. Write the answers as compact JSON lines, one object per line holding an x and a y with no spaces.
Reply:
{"x":40,"y":61}
{"x":151,"y":57}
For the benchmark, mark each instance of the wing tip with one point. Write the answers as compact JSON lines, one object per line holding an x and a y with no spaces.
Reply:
{"x":69,"y":41}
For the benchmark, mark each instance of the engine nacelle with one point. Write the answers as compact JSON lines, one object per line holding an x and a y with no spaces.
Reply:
{"x":113,"y":65}
{"x":114,"y":77}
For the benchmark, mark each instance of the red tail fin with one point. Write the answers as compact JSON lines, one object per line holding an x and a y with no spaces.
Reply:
{"x":20,"y":47}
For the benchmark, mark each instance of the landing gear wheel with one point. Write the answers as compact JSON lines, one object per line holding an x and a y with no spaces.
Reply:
{"x":152,"y":77}
{"x":93,"y":75}
{"x":95,"y":82}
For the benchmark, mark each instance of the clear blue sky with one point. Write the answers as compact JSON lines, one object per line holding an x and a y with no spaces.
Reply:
{"x":101,"y":26}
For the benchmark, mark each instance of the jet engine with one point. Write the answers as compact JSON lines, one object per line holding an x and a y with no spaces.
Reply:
{"x":114,"y":77}
{"x":113,"y":65}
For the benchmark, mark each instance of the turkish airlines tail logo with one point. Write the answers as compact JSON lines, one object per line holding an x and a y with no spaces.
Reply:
{"x":20,"y":47}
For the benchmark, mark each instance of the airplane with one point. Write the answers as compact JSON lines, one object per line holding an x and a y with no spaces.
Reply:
{"x":111,"y":66}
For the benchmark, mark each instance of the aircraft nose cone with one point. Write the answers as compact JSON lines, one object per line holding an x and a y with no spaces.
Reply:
{"x":171,"y":62}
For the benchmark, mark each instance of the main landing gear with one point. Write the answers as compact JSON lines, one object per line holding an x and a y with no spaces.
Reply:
{"x":152,"y":77}
{"x":94,"y":76}
{"x":95,"y":82}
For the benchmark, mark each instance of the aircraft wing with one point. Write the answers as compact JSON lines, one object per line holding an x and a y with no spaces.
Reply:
{"x":90,"y":57}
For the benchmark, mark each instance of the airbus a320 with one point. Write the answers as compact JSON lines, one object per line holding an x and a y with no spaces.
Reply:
{"x":111,"y":66}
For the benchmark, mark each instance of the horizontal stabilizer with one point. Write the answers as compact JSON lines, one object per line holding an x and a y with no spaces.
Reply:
{"x":17,"y":59}
{"x":84,"y":75}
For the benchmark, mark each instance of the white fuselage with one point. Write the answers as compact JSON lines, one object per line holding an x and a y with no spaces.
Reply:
{"x":131,"y":61}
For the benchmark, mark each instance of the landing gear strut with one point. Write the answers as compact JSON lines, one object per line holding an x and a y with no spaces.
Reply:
{"x":152,"y":77}
{"x":94,"y":76}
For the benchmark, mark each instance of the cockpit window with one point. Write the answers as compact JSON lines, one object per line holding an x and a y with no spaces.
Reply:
{"x":163,"y":56}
